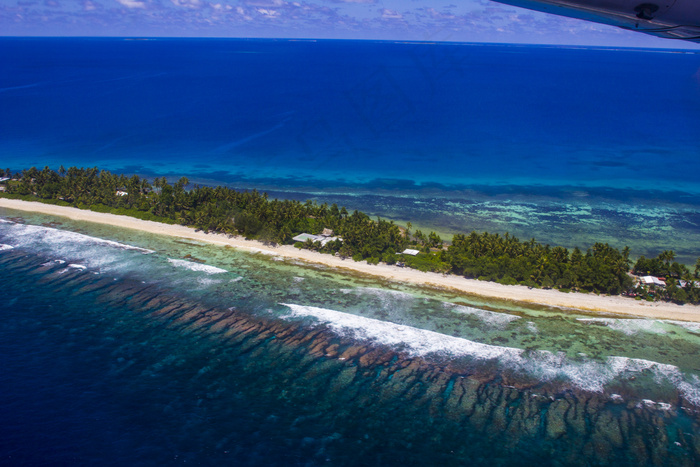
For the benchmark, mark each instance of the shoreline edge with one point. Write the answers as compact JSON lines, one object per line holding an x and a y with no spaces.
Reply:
{"x":516,"y":293}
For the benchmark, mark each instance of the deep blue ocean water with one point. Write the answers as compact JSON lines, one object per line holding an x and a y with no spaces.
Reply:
{"x":356,"y":111}
{"x":570,"y":145}
{"x":123,"y":352}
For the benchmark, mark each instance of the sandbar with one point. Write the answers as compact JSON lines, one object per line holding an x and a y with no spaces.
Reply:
{"x":516,"y":293}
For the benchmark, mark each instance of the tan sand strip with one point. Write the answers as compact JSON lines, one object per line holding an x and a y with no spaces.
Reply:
{"x":518,"y":293}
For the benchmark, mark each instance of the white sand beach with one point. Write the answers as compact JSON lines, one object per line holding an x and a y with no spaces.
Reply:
{"x":517,"y":293}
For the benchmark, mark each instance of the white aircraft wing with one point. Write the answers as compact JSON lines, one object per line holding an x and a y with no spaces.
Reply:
{"x":674,"y":19}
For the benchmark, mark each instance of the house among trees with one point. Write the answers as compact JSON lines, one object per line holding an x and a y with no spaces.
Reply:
{"x":325,"y":237}
{"x":652,"y":280}
{"x":409,"y":251}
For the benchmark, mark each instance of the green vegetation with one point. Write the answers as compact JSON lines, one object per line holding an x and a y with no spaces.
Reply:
{"x":492,"y":257}
{"x":680,"y":282}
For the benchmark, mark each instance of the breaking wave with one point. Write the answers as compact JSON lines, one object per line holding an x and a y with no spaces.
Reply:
{"x":628,"y":326}
{"x":692,"y":327}
{"x":24,"y":234}
{"x":393,"y":298}
{"x":413,"y":340}
{"x":634,"y":326}
{"x":181,"y":263}
{"x":492,"y":318}
{"x":585,"y":374}
{"x":387,"y":299}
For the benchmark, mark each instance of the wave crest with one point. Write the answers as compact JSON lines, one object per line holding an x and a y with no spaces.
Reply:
{"x":181,"y":263}
{"x":586,"y":374}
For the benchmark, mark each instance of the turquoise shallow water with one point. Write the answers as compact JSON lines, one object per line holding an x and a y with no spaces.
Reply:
{"x":121,"y":352}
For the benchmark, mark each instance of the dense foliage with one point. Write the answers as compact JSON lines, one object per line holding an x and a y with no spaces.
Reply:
{"x":492,"y":257}
{"x":505,"y":259}
{"x":681,"y":285}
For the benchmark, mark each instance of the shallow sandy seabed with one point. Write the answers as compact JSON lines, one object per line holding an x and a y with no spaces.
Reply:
{"x":518,"y":293}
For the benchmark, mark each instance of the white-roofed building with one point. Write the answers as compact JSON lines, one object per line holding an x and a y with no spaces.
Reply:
{"x":315,"y":238}
{"x":651,"y":280}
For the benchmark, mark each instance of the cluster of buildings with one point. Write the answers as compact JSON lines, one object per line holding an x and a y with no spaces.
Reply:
{"x":661,"y":281}
{"x":652,"y":280}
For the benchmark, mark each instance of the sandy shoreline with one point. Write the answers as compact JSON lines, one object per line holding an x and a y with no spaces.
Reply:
{"x":587,"y":302}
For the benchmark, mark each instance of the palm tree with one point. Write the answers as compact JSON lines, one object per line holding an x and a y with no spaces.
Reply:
{"x":156,"y":184}
{"x":626,"y":253}
{"x":667,"y":256}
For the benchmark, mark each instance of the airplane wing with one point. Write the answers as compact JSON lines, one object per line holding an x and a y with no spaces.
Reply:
{"x":674,"y":19}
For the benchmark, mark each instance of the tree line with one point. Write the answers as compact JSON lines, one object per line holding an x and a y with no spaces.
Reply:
{"x":486,"y":256}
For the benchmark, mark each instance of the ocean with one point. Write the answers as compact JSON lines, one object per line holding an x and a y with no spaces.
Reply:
{"x":567,"y":145}
{"x":120,"y":349}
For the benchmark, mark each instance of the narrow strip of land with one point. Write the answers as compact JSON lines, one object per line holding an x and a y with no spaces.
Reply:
{"x":518,"y":293}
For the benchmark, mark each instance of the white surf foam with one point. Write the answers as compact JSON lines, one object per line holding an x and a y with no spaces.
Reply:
{"x":4,"y":247}
{"x":31,"y":234}
{"x":207,"y":282}
{"x":388,"y":302}
{"x":391,"y":298}
{"x":383,"y":294}
{"x":689,"y":388}
{"x":629,"y":326}
{"x":261,"y":251}
{"x":124,"y":246}
{"x":654,"y":405}
{"x":413,"y":340}
{"x":192,"y":266}
{"x":585,"y":374}
{"x":593,"y":376}
{"x":77,"y":266}
{"x":492,"y":318}
{"x":694,"y":327}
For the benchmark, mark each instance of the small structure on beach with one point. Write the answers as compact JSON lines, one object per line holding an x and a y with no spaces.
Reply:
{"x":409,"y":251}
{"x":324,"y":238}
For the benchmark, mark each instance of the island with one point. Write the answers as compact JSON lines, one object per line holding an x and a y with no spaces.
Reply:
{"x":601,"y":278}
